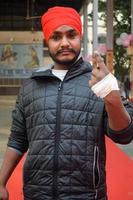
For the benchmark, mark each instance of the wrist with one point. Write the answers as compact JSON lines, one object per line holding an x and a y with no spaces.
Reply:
{"x":113,"y":97}
{"x":105,"y":86}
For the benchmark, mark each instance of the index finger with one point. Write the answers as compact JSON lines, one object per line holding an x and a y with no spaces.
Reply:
{"x":98,"y":61}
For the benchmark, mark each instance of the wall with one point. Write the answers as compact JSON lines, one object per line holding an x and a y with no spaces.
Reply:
{"x":20,"y":54}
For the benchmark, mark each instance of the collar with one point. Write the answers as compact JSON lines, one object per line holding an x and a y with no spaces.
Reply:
{"x":77,"y":68}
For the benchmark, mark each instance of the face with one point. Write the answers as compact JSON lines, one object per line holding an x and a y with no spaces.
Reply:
{"x":64,"y":46}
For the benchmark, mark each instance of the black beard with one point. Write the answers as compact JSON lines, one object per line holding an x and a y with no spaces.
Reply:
{"x":65,"y":62}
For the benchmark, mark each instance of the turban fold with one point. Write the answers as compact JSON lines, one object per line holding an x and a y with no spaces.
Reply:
{"x":57,"y":16}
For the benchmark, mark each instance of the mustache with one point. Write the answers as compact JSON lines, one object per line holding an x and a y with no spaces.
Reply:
{"x":65,"y":50}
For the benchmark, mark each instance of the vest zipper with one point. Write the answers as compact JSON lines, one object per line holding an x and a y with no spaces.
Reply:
{"x":57,"y":140}
{"x":96,"y":171}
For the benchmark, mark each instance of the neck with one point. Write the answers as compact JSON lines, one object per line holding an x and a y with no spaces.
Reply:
{"x":61,"y":67}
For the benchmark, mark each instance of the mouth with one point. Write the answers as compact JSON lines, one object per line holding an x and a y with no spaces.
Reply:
{"x":65,"y":52}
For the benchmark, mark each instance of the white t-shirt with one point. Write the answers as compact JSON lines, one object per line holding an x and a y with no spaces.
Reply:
{"x":59,"y":73}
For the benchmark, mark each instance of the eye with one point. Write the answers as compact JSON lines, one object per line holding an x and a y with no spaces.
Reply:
{"x":72,"y":34}
{"x":55,"y":37}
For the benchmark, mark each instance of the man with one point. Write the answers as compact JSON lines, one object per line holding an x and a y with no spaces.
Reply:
{"x":61,"y":118}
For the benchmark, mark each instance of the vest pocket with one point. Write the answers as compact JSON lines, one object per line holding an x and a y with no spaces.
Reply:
{"x":96,"y":171}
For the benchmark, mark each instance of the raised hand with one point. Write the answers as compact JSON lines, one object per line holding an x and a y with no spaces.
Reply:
{"x":99,"y":69}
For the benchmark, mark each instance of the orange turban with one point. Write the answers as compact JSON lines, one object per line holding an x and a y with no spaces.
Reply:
{"x":58,"y":16}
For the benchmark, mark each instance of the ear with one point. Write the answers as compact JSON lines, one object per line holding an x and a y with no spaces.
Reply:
{"x":81,"y":36}
{"x":81,"y":39}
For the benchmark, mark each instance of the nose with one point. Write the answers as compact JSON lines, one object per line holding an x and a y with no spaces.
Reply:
{"x":65,"y":42}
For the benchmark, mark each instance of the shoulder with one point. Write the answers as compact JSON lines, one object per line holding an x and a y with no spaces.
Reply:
{"x":87,"y":64}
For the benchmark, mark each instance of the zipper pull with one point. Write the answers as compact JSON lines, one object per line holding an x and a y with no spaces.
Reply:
{"x":60,"y":86}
